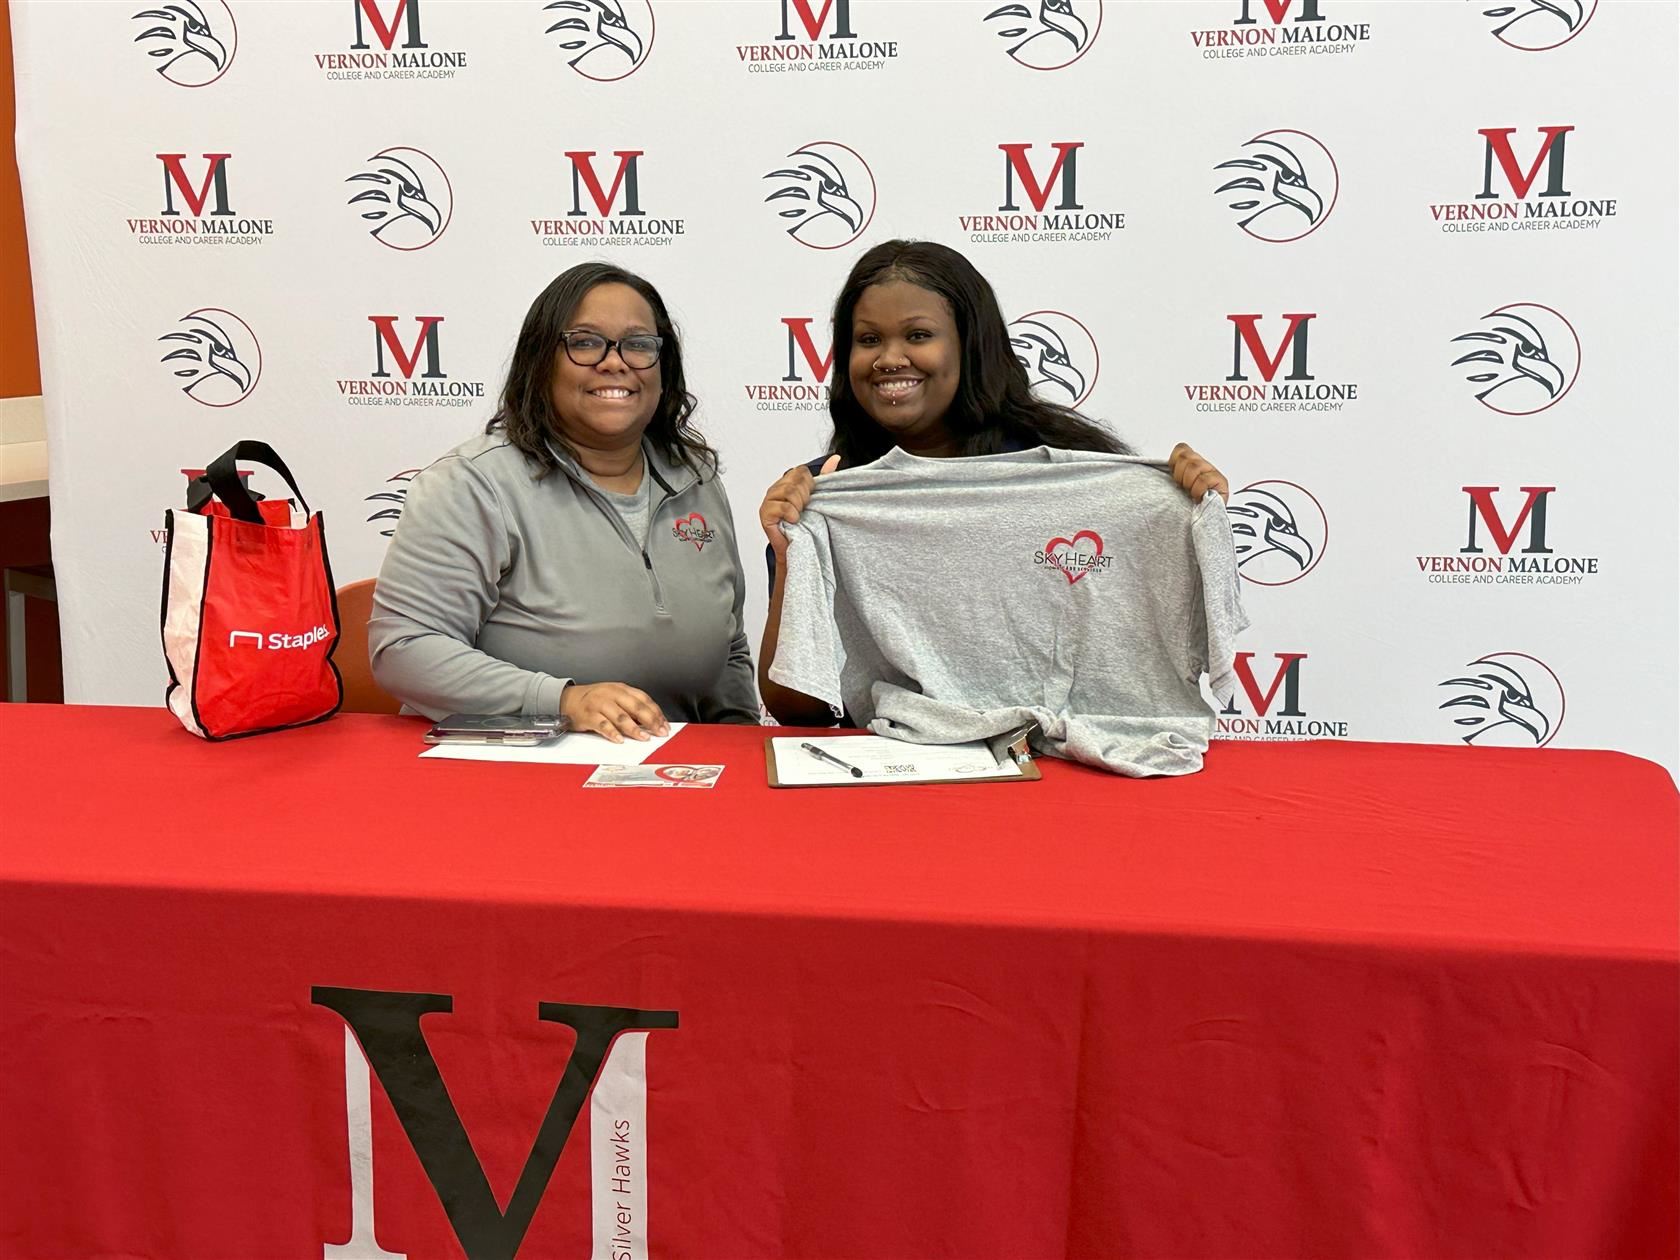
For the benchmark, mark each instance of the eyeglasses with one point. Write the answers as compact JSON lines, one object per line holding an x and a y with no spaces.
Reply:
{"x":586,"y":349}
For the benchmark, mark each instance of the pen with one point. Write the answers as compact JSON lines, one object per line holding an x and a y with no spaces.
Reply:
{"x":832,"y":760}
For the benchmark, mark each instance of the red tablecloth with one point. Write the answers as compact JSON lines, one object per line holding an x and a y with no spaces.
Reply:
{"x":1321,"y":999}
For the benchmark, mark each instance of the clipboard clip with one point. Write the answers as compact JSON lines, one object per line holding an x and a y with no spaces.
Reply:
{"x":1015,"y":744}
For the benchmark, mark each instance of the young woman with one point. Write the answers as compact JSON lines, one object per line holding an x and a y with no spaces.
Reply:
{"x":579,"y":557}
{"x":928,"y":368}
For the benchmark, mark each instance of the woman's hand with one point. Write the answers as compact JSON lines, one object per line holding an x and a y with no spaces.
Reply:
{"x":1195,"y":474}
{"x":612,"y":709}
{"x":785,"y":500}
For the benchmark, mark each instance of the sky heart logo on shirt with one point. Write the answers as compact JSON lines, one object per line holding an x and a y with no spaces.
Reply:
{"x":1074,"y":557}
{"x":692,"y":529}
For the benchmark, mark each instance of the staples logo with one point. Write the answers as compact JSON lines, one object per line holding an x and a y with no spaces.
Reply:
{"x":278,"y":641}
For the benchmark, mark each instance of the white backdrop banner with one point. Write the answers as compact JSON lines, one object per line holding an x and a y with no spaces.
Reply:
{"x":1404,"y":271}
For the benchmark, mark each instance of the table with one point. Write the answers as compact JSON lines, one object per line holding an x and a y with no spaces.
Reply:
{"x":1322,"y":999}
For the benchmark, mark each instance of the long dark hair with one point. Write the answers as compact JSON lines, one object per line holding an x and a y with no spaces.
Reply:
{"x":994,"y":407}
{"x":526,"y":409}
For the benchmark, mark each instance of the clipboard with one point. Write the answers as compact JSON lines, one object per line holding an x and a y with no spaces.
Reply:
{"x":1013,"y":744}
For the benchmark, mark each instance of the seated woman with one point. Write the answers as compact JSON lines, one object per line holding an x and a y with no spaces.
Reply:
{"x":579,"y":557}
{"x":929,"y":369}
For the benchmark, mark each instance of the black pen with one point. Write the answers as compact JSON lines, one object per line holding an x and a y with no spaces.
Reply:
{"x":832,"y":760}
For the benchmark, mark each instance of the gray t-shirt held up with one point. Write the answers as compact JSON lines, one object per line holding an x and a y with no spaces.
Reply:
{"x":941,"y":600}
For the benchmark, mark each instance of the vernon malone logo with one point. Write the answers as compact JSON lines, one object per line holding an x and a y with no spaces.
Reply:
{"x":1040,"y":200}
{"x":213,"y":356}
{"x":191,"y":43}
{"x":1506,"y":542}
{"x":1520,"y":194}
{"x":1074,"y":558}
{"x":605,"y":187}
{"x":1047,"y":34}
{"x":388,"y":42}
{"x":815,"y":37}
{"x":196,"y":207}
{"x":1283,"y":185}
{"x":1280,"y":532}
{"x":604,"y":40}
{"x":1504,"y":700}
{"x":607,"y":1068}
{"x":1539,"y":25}
{"x":1059,"y":354}
{"x":827,"y":194}
{"x":1279,"y":28}
{"x":404,"y":197}
{"x":1271,"y":377}
{"x":408,"y":373}
{"x":810,"y":361}
{"x":1520,"y":359}
{"x":1268,"y":702}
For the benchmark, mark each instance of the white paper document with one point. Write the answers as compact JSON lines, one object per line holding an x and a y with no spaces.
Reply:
{"x":884,"y":760}
{"x":580,"y":748}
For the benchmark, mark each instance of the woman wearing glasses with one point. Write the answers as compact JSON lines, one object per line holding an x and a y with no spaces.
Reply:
{"x":579,"y":557}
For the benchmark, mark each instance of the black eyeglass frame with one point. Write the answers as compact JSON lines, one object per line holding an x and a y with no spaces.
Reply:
{"x":609,"y":344}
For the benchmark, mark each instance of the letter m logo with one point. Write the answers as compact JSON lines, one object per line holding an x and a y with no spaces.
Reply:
{"x":584,"y":180}
{"x":1498,"y":150}
{"x":1287,"y":679}
{"x":799,"y":339}
{"x":1533,"y":514}
{"x":814,"y":22}
{"x":1016,"y":166}
{"x":1278,"y":10}
{"x":193,"y":197}
{"x":1246,"y":336}
{"x":407,"y":357}
{"x":387,"y":1025}
{"x":386,"y":32}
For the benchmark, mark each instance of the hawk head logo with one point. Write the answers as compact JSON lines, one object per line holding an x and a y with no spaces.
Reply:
{"x":1283,"y":185}
{"x":1537,"y":25}
{"x":1059,"y":355}
{"x":214,"y":356}
{"x":1050,"y":34}
{"x":192,"y":43}
{"x":603,"y":35}
{"x":1520,"y":359}
{"x":1279,"y":530}
{"x":393,"y":499}
{"x":404,"y":196}
{"x":827,"y":194}
{"x":1508,"y":700}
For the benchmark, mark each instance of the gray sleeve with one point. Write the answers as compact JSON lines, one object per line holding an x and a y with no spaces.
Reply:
{"x":1216,"y":557}
{"x":437,"y":587}
{"x":736,"y":699}
{"x":809,"y":655}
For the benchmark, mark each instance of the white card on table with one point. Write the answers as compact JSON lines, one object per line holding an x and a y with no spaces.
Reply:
{"x":654,"y":776}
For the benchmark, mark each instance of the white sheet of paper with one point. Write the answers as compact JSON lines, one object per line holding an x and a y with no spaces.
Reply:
{"x":581,"y":748}
{"x":889,"y":760}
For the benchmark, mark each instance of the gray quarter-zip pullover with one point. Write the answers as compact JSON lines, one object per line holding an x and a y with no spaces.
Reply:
{"x":501,"y":587}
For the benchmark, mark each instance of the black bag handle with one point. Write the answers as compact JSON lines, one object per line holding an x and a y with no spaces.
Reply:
{"x":224,"y":480}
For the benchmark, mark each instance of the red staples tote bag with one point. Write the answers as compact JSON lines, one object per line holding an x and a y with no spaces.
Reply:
{"x":249,"y":614}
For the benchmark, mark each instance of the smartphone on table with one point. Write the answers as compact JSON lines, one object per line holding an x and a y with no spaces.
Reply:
{"x":508,"y":729}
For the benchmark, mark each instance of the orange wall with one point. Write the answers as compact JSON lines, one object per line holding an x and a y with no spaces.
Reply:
{"x":20,"y":369}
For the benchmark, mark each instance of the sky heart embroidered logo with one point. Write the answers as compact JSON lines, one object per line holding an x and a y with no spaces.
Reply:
{"x":692,"y":529}
{"x":1074,"y":557}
